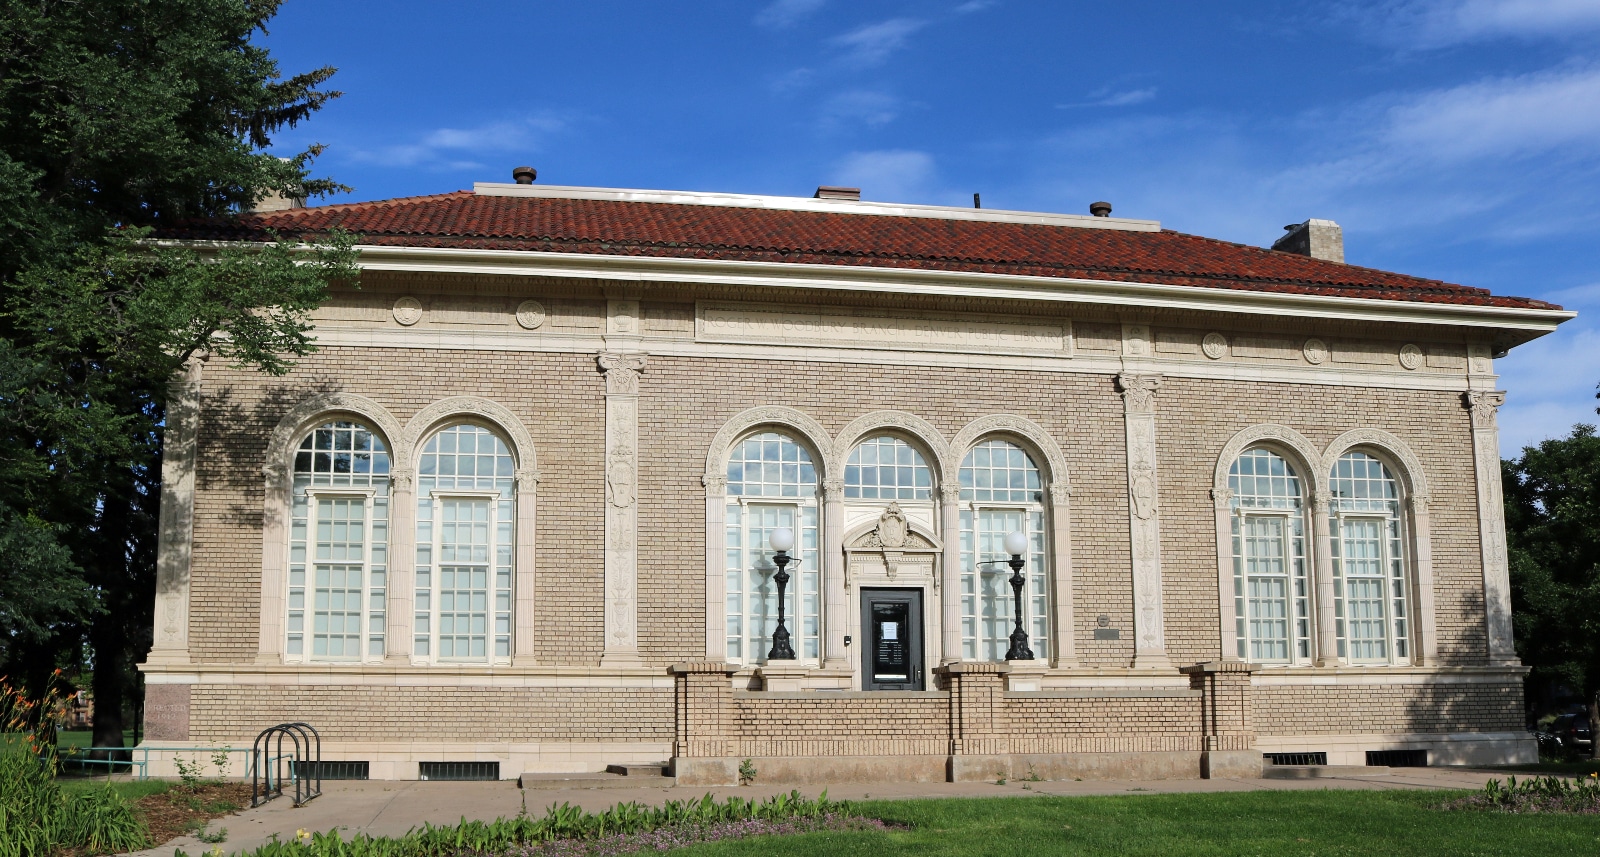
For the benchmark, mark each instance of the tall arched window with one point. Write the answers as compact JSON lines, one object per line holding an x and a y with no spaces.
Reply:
{"x":338,"y":544}
{"x":1271,"y":589}
{"x":772,"y":483}
{"x":887,"y":468}
{"x":1002,"y":491}
{"x":1369,"y":563}
{"x":465,"y":540}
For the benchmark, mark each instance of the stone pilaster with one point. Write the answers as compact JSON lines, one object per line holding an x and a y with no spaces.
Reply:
{"x":526,"y":591}
{"x":950,"y":591}
{"x":1327,"y":643}
{"x":1227,"y":716}
{"x":836,"y":601}
{"x":704,"y":724}
{"x":175,"y":538}
{"x":1482,"y":406}
{"x":1144,"y":521}
{"x":401,"y":622}
{"x":622,"y":507}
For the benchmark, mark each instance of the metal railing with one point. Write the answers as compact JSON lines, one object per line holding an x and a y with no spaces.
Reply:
{"x":141,"y":764}
{"x":267,"y":766}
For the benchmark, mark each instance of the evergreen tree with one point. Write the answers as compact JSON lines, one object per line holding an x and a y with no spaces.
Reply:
{"x":118,"y":117}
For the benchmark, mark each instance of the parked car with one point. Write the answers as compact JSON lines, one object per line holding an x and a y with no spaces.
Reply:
{"x":1569,"y":735}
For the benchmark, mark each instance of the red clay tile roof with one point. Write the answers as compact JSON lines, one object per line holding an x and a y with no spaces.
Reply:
{"x":466,"y":220}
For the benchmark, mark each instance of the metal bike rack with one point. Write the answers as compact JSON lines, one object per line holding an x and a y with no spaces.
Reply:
{"x":303,"y":763}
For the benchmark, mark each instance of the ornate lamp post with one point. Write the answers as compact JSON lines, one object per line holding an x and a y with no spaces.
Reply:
{"x":782,"y":539}
{"x":1016,"y":544}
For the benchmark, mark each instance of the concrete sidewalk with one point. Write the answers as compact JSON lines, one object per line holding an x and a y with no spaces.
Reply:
{"x":390,"y":808}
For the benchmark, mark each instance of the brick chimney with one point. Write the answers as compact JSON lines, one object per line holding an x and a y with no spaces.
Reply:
{"x":275,"y":201}
{"x":1319,"y":239}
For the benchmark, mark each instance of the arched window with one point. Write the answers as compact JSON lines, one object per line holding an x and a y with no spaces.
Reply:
{"x":1001,"y":492}
{"x":772,"y":483}
{"x":1369,"y":563}
{"x":887,"y":468}
{"x":465,"y":541}
{"x":1271,"y":589}
{"x":338,"y":544}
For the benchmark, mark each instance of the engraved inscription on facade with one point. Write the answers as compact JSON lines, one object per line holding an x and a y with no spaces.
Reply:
{"x":843,"y":328}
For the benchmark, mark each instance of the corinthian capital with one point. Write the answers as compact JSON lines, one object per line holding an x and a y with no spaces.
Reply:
{"x":622,"y":371}
{"x":1483,"y":404}
{"x":1139,"y":391}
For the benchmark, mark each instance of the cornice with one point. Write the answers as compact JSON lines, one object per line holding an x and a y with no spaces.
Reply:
{"x":419,"y":260}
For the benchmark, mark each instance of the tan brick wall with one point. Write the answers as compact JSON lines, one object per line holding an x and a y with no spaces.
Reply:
{"x":1361,"y":709}
{"x":558,"y":397}
{"x":235,"y":714}
{"x":888,"y":725}
{"x":1109,"y":724}
{"x":1196,"y":418}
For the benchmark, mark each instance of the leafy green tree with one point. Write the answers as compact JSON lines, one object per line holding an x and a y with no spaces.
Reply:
{"x":119,"y":117}
{"x":1553,"y":535}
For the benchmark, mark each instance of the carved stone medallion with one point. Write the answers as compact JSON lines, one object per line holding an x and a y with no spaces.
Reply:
{"x":530,"y":314}
{"x":1411,"y":356}
{"x":892,"y":527}
{"x":408,"y":311}
{"x":1315,"y":351}
{"x":619,"y":477}
{"x":1215,"y":346}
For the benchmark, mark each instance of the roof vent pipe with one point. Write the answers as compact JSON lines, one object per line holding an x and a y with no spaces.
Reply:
{"x":524,"y":175}
{"x":830,"y":192}
{"x":1319,"y":239}
{"x":1100,"y":209}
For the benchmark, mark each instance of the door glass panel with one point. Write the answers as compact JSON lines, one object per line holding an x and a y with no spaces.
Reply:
{"x":891,"y":654}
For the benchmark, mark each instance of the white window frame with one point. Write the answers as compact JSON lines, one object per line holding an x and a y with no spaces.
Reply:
{"x":1386,"y":564}
{"x":314,"y":494}
{"x":793,"y":596}
{"x":1037,"y":625}
{"x":437,"y":498}
{"x":1292,"y":598}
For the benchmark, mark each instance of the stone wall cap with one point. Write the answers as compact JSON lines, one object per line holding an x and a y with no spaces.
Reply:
{"x":1219,"y":667}
{"x":963,"y":668}
{"x":703,"y":668}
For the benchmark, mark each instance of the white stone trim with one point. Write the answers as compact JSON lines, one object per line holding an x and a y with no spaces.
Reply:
{"x":1306,"y":459}
{"x":1395,"y":453}
{"x":1344,"y":375}
{"x":1444,"y":748}
{"x":1482,"y":406}
{"x":621,"y":545}
{"x":1144,"y":502}
{"x":902,"y":281}
{"x":1058,"y":514}
{"x":175,"y":538}
{"x":279,"y":472}
{"x":715,"y":479}
{"x":524,"y":592}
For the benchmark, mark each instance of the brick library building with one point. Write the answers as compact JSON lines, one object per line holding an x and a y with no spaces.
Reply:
{"x":842,"y":491}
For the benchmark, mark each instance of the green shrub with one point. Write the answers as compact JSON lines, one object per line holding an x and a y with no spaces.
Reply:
{"x":36,"y":816}
{"x":564,"y":822}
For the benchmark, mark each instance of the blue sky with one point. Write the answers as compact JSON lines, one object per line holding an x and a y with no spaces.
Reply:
{"x":1457,"y":139}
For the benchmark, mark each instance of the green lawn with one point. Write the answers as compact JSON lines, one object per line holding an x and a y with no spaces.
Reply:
{"x":130,"y":789}
{"x":1279,"y":824}
{"x":80,"y":738}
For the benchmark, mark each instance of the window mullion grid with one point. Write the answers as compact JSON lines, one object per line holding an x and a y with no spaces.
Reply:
{"x":1394,"y":565}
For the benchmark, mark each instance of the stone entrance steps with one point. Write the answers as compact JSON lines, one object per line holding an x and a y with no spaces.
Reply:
{"x":1312,"y":772}
{"x":614,"y":777}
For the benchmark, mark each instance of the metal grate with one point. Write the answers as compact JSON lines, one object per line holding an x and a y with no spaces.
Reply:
{"x":1296,"y":758}
{"x":458,"y":770}
{"x":1398,"y":758}
{"x":327,"y":770}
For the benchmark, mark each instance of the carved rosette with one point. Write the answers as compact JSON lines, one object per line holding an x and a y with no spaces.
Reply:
{"x":407,"y":311}
{"x":1215,"y":346}
{"x":622,"y":372}
{"x":1483,"y":405}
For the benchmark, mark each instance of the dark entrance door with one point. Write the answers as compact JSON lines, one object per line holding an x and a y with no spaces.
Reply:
{"x":891,"y":622}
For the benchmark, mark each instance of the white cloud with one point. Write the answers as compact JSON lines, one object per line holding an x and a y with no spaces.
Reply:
{"x":1440,"y":23}
{"x":971,"y":6}
{"x":897,"y":175}
{"x":781,"y":14}
{"x":453,"y":148}
{"x":873,"y":43}
{"x":1105,"y":98}
{"x":861,"y":106}
{"x":1503,"y":117}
